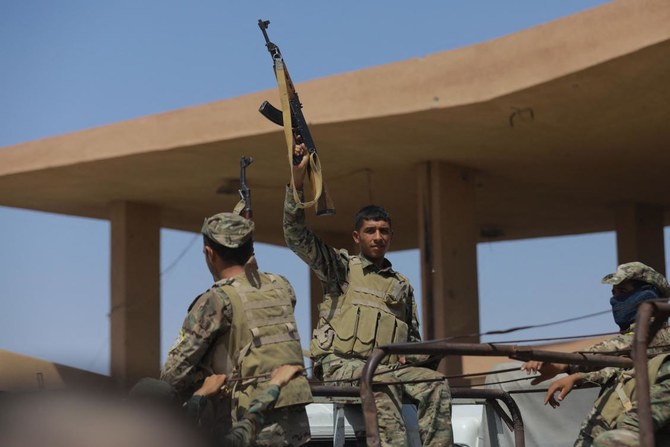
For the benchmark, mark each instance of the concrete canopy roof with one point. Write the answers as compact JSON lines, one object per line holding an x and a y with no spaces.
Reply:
{"x":558,"y":123}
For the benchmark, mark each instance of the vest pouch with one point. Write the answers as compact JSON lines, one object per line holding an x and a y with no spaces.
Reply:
{"x":345,"y":326}
{"x":611,"y":408}
{"x":613,"y":403}
{"x":386,"y":329}
{"x":395,"y":301}
{"x":401,"y":332}
{"x":322,"y":341}
{"x":367,"y":333}
{"x":390,"y":330}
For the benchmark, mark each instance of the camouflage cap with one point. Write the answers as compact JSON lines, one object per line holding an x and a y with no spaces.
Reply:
{"x":640,"y":272}
{"x":228,"y":229}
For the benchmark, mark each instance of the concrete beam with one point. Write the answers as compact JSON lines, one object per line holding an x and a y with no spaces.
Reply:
{"x":135,"y":283}
{"x":448,"y":244}
{"x":639,"y":234}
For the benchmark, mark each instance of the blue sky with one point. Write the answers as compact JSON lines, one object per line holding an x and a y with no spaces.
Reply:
{"x":74,"y":64}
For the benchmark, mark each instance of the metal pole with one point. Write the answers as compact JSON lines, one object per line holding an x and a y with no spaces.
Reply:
{"x":481,"y":349}
{"x":639,"y":354}
{"x":368,"y":397}
{"x":456,"y":393}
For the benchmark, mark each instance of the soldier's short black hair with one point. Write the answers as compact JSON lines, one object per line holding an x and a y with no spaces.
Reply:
{"x":238,"y":256}
{"x":371,"y":212}
{"x":636,"y":283}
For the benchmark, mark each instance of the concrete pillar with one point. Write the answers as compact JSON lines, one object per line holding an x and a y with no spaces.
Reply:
{"x":448,"y":233}
{"x":135,"y":283}
{"x":639,"y":234}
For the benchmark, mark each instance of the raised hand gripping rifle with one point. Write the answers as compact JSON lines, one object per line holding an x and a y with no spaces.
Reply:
{"x":245,"y":192}
{"x":295,"y":128}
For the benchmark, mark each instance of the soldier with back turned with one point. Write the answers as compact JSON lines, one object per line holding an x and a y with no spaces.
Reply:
{"x":242,"y":326}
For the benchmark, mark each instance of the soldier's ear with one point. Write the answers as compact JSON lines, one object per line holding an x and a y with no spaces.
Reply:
{"x":209,"y":253}
{"x":356,"y":236}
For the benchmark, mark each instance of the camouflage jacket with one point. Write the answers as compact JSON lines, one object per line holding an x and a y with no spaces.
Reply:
{"x":619,"y":344}
{"x":331,"y":266}
{"x":660,"y":410}
{"x":209,"y":315}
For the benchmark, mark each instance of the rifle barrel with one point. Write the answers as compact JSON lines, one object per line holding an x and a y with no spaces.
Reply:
{"x":272,"y":48}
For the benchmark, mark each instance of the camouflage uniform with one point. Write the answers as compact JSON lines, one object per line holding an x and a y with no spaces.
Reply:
{"x":620,"y":344}
{"x":333,"y":268}
{"x":241,"y":434}
{"x":606,"y":377}
{"x":199,"y":351}
{"x":626,"y":427}
{"x":244,"y":432}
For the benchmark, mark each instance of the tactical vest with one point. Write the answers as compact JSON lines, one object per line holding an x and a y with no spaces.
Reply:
{"x":263,"y":336}
{"x":371,"y":312}
{"x":618,"y":400}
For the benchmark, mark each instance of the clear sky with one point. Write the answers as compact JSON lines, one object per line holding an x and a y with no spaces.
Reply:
{"x":74,"y":64}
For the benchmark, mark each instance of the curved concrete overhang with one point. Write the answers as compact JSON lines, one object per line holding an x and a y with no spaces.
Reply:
{"x":558,"y":123}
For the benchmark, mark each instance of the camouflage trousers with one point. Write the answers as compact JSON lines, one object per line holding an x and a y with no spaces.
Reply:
{"x":287,"y":426}
{"x":432,"y":400}
{"x":627,"y":438}
{"x":593,"y":426}
{"x":622,"y":438}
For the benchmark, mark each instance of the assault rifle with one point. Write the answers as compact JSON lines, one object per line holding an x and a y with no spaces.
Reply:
{"x":299,"y":127}
{"x":245,"y":192}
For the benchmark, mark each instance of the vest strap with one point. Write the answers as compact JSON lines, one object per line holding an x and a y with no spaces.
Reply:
{"x":377,"y":293}
{"x":327,"y":314}
{"x":267,"y":287}
{"x":243,"y":353}
{"x":397,"y":288}
{"x":260,"y":304}
{"x":278,"y":338}
{"x":262,"y":322}
{"x":361,"y":301}
{"x":625,"y":400}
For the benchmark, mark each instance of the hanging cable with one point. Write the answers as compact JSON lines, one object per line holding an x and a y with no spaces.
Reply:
{"x":519,"y":328}
{"x":180,"y":256}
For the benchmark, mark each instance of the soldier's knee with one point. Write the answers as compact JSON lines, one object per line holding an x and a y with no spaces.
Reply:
{"x":617,"y":438}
